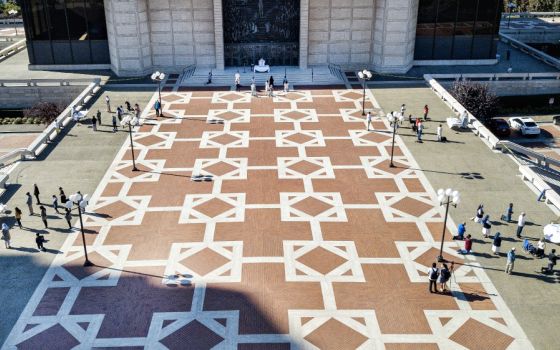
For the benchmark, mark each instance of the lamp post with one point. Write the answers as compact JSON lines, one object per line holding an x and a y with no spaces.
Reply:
{"x":14,"y":13}
{"x":446,"y":197}
{"x":81,"y":202}
{"x":364,"y":75}
{"x":158,"y":77}
{"x":131,"y":121}
{"x":510,"y":6}
{"x":394,"y":118}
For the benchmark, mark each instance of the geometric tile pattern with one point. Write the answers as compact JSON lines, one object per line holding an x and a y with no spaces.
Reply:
{"x":302,"y":237}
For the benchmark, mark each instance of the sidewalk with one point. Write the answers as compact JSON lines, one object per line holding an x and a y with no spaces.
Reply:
{"x":483,"y":176}
{"x":77,"y":162}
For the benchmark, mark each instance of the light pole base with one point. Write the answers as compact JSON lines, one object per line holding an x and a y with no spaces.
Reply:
{"x":392,"y":165}
{"x":88,"y":263}
{"x":135,"y":169}
{"x":440,"y":259}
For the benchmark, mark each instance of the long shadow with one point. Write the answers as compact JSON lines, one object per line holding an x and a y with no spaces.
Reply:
{"x":162,"y":173}
{"x":429,"y":171}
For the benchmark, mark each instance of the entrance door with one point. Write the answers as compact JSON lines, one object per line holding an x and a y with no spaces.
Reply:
{"x":261,"y":28}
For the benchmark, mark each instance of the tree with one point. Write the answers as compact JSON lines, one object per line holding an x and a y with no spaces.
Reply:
{"x":8,"y":6}
{"x":533,"y":5}
{"x":46,"y":112}
{"x":477,"y":99}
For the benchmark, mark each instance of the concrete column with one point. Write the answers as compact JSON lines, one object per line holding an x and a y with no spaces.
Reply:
{"x":128,"y":36}
{"x":219,"y":34}
{"x":395,"y":35}
{"x":303,"y":33}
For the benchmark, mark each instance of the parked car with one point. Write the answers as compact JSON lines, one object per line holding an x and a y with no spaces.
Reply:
{"x":526,"y":126}
{"x":499,"y":127}
{"x":556,"y":119}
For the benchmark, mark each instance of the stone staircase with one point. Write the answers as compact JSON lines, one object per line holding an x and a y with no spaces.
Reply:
{"x":295,"y":76}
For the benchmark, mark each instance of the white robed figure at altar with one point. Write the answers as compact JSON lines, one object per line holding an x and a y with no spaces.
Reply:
{"x":262,"y":67}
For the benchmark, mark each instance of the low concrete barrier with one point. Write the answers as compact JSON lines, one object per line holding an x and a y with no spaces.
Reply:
{"x":552,"y":61}
{"x":477,"y":127}
{"x":50,"y":133}
{"x":12,"y":49}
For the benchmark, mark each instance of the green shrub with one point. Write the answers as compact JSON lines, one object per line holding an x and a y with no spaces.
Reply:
{"x":18,"y":120}
{"x":37,"y":120}
{"x":24,"y":120}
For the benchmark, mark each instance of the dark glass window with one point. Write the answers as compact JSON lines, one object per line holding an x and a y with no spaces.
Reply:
{"x":457,"y":29}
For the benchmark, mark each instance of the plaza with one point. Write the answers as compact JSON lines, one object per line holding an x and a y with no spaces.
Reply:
{"x":304,"y":236}
{"x":301,"y":218}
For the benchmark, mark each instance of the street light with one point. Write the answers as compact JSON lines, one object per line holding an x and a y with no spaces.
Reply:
{"x":364,"y":75}
{"x":130,"y":121}
{"x":158,"y":78}
{"x":446,"y":197}
{"x":81,"y":202}
{"x":13,"y":13}
{"x":510,"y":6}
{"x":394,"y":118}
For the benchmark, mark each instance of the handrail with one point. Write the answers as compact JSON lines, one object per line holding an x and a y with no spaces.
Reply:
{"x":497,"y":76}
{"x":336,"y":71}
{"x":552,"y":61}
{"x":189,"y":71}
{"x":541,"y":158}
{"x":531,"y":14}
{"x":12,"y":49}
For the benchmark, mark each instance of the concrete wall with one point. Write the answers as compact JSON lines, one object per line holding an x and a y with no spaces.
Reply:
{"x":395,"y":35}
{"x":26,"y":96}
{"x":341,"y":32}
{"x":145,"y":35}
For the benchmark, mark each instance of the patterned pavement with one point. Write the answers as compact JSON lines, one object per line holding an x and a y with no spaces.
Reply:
{"x":299,"y":235}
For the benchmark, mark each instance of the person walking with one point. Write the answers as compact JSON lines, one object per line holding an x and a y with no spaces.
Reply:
{"x":94,"y":123}
{"x":271,"y":82}
{"x":369,"y":120}
{"x":266,"y":86}
{"x":420,"y":129}
{"x":509,"y":212}
{"x":68,"y":217}
{"x":98,"y":116}
{"x":114,"y":123}
{"x":128,"y":106}
{"x":439,"y":133}
{"x":270,"y":90}
{"x":468,"y":244}
{"x":6,"y":237}
{"x":209,"y":81}
{"x":108,"y":102}
{"x":444,"y":275}
{"x":36,"y":193}
{"x":29,"y":202}
{"x":552,"y":259}
{"x":433,"y":275}
{"x":55,"y":203}
{"x":137,"y":110}
{"x":62,"y":195}
{"x":17,"y":215}
{"x":510,"y":261}
{"x":497,"y":243}
{"x":426,"y":112}
{"x":157,"y":107}
{"x":286,"y":85}
{"x":403,"y":109}
{"x":120,"y":112}
{"x":520,"y":224}
{"x":44,"y":215}
{"x":40,"y":240}
{"x":254,"y":89}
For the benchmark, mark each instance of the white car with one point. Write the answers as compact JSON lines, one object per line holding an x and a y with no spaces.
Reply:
{"x":526,"y":126}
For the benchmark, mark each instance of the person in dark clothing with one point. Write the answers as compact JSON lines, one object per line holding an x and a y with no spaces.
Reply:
{"x":552,"y":258}
{"x":433,"y":275}
{"x":36,"y":193}
{"x":68,"y":217}
{"x":271,"y":81}
{"x":17,"y":215}
{"x":62,"y":195}
{"x":98,"y":115}
{"x":128,"y":106}
{"x":44,"y":215}
{"x":40,"y":240}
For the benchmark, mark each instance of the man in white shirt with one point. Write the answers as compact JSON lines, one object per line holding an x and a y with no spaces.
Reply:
{"x":439,"y":133}
{"x":108,"y":101}
{"x":369,"y":119}
{"x":520,"y":224}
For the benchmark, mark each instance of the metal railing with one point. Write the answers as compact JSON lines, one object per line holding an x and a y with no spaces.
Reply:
{"x":12,"y":49}
{"x":189,"y":71}
{"x":336,"y":71}
{"x":531,"y":14}
{"x":541,"y":56}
